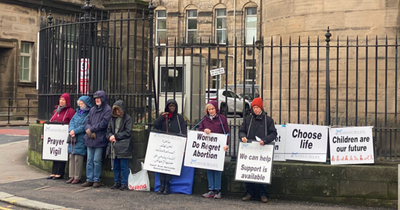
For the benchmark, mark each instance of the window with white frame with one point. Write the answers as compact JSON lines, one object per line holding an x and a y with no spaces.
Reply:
{"x":191,"y":32}
{"x":251,"y":25}
{"x":220,"y":26}
{"x":250,"y":71}
{"x":161,"y":26}
{"x":25,"y":62}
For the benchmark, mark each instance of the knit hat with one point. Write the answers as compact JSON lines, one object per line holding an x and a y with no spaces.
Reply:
{"x":257,"y":102}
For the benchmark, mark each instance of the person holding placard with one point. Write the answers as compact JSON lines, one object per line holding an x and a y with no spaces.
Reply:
{"x":63,"y":115}
{"x":76,"y":146}
{"x":95,"y":138}
{"x":119,"y":149}
{"x":169,"y":121}
{"x":214,"y":122}
{"x":257,"y":127}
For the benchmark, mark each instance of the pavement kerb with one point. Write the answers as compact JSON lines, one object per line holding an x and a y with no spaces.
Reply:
{"x":23,"y":202}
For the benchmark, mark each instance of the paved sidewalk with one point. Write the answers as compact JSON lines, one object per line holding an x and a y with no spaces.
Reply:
{"x":26,"y":186}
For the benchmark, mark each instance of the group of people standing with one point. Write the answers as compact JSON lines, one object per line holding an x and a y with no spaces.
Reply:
{"x":93,"y":128}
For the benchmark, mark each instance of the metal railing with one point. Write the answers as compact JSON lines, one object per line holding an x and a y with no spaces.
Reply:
{"x":330,"y":81}
{"x":18,"y":109}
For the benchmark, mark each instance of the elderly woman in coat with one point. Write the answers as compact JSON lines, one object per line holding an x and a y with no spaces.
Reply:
{"x":77,"y":148}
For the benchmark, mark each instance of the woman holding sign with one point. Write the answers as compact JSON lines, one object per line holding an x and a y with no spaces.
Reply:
{"x":214,"y":122}
{"x":62,"y":114}
{"x":76,"y":146}
{"x":169,"y":121}
{"x":260,"y":127}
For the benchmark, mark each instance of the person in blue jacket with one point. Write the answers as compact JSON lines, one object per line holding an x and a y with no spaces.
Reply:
{"x":76,"y":147}
{"x":95,"y":138}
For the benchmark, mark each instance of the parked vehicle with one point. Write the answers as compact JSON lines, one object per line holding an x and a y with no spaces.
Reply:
{"x":227,"y":100}
{"x":251,"y":91}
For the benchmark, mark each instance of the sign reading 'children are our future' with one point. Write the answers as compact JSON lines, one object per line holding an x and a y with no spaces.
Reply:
{"x":55,"y":145}
{"x":351,"y":145}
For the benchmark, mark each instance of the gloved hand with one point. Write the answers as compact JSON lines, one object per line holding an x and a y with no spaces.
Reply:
{"x":88,"y":132}
{"x":92,"y":136}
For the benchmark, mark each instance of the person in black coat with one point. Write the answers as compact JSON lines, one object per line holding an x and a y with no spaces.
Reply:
{"x":258,"y":124}
{"x":176,"y":124}
{"x":119,"y":149}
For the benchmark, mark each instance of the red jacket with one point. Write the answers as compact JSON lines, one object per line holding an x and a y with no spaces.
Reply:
{"x":66,"y":113}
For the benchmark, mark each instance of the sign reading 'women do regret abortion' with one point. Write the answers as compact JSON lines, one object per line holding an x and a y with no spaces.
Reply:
{"x":205,"y":150}
{"x":306,"y":142}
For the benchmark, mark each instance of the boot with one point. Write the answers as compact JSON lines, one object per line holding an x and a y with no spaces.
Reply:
{"x":166,"y":190}
{"x":161,"y":190}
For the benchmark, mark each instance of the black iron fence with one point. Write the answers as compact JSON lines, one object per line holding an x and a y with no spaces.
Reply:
{"x":330,"y":81}
{"x":313,"y":80}
{"x":97,"y":50}
{"x":18,"y":111}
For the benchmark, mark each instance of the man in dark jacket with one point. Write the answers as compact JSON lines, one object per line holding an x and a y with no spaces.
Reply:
{"x":95,"y":138}
{"x":119,"y":150}
{"x":171,"y":122}
{"x":257,"y":125}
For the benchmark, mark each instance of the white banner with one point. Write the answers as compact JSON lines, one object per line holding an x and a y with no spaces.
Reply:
{"x":306,"y":142}
{"x":205,"y":151}
{"x":55,"y":145}
{"x":351,"y":145}
{"x":254,"y":163}
{"x":164,"y":153}
{"x":279,"y":153}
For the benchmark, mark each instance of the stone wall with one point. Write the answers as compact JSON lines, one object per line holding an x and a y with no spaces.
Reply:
{"x":363,"y":185}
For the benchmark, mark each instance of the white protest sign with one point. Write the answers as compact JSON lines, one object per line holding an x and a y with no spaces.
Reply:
{"x":279,"y":153}
{"x":55,"y":145}
{"x":351,"y":145}
{"x":164,"y":153}
{"x":254,"y":163}
{"x":306,"y":142}
{"x":205,"y":151}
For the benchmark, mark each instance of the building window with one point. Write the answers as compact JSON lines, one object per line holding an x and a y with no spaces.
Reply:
{"x":251,"y":24}
{"x":250,"y":71}
{"x":25,"y":62}
{"x":171,"y":79}
{"x":161,"y":25}
{"x":191,"y":36}
{"x":220,"y":26}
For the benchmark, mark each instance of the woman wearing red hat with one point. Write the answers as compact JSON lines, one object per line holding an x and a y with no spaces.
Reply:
{"x":260,"y":125}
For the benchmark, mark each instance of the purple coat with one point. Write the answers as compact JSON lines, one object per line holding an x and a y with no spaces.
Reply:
{"x":97,"y":122}
{"x":215,"y":124}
